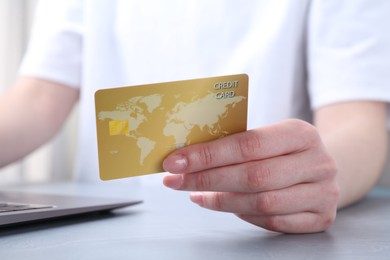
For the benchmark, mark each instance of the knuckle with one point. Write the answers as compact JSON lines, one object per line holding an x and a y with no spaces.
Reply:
{"x":273,"y":223}
{"x":330,"y":185}
{"x":257,"y":177}
{"x":217,"y":201}
{"x":323,"y":163}
{"x":266,"y":202}
{"x":327,"y":213}
{"x":334,"y":192}
{"x":327,"y":220}
{"x":202,"y":182}
{"x":327,"y":167}
{"x":249,"y":144}
{"x":333,"y":195}
{"x":205,"y":155}
{"x":329,"y":164}
{"x":303,"y":128}
{"x":331,"y":167}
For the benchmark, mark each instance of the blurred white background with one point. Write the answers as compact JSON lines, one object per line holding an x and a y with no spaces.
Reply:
{"x":53,"y":161}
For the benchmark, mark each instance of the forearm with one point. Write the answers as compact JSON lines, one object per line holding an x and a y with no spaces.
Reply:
{"x":30,"y":114}
{"x":356,"y":137}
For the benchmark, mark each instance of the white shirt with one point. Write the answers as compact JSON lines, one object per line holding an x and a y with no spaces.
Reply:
{"x":299,"y":55}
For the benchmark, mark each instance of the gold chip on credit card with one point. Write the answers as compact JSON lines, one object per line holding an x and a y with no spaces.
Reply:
{"x":138,"y":126}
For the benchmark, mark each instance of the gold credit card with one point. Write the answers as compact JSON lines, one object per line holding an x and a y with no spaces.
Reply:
{"x":138,"y":126}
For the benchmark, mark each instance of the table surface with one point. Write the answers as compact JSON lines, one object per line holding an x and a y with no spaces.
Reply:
{"x":168,"y":226}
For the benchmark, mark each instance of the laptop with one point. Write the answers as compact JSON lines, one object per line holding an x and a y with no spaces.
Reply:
{"x":21,"y":207}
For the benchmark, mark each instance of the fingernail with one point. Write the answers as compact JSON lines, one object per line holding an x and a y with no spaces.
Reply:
{"x":174,"y":181}
{"x":197,"y":197}
{"x":175,"y":163}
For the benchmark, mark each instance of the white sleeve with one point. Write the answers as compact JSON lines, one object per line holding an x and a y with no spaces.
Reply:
{"x":348,"y":51}
{"x":55,"y":46}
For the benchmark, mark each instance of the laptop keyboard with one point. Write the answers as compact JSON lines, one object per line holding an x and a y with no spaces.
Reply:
{"x":10,"y":206}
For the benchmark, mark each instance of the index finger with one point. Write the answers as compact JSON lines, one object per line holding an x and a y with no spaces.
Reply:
{"x":283,"y":138}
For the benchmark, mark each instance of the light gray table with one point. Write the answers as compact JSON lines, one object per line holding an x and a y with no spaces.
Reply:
{"x":168,"y":226}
